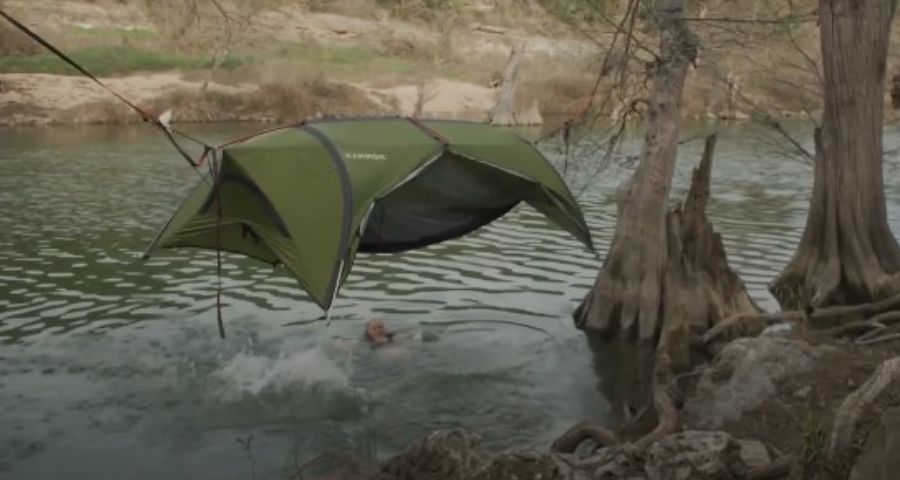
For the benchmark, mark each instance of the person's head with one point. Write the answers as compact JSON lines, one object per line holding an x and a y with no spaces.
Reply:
{"x":376,"y":331}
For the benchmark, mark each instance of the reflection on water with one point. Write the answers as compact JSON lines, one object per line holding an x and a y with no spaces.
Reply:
{"x":111,"y":367}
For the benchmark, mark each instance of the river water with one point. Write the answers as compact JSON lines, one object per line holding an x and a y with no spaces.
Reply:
{"x":111,"y":367}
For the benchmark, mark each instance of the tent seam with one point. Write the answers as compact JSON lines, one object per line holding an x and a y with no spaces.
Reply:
{"x":347,"y":196}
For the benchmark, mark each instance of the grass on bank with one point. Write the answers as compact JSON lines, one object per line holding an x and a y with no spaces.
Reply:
{"x":110,"y":60}
{"x":348,"y":63}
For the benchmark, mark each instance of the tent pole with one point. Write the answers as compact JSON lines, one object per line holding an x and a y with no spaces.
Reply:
{"x":334,"y":295}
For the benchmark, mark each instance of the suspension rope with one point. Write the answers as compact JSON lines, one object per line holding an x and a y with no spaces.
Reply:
{"x":209,"y":152}
{"x":145,"y":114}
{"x":214,"y":173}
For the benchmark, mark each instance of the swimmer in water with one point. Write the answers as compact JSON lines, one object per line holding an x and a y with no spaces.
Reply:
{"x":377,"y":333}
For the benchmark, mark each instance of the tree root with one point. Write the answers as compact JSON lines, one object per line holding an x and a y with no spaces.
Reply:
{"x":882,"y":315}
{"x":887,"y":309}
{"x":860,"y":327}
{"x":736,"y":326}
{"x":883,"y":338}
{"x":663,"y":400}
{"x":569,"y":441}
{"x":855,"y":311}
{"x":879,"y":339}
{"x":847,"y":421}
{"x":886,"y":318}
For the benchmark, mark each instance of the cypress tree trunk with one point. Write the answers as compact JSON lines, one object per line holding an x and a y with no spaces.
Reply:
{"x":627,"y":294}
{"x":847,"y":254}
{"x":666,"y":275}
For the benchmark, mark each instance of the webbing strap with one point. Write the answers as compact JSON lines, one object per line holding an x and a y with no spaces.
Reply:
{"x":428,"y":131}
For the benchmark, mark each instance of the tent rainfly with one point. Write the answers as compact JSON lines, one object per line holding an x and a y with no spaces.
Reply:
{"x":310,"y":196}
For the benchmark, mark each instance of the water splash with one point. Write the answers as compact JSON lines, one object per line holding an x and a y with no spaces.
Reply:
{"x":251,"y":374}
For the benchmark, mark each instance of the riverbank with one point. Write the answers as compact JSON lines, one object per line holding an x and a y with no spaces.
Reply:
{"x":775,"y":406}
{"x":44,"y":99}
{"x":282,"y":61}
{"x":279,"y":62}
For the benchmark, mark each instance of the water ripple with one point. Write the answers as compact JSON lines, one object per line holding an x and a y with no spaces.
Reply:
{"x":134,"y":346}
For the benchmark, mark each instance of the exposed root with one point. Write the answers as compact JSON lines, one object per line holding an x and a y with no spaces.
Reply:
{"x":880,"y":339}
{"x":847,"y":422}
{"x":736,"y":326}
{"x":860,"y":327}
{"x":889,"y":307}
{"x":877,"y":331}
{"x":841,"y":312}
{"x":886,"y":318}
{"x":663,"y":400}
{"x":867,"y":321}
{"x":569,"y":441}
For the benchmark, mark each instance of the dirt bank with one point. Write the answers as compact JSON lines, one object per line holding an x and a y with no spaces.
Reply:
{"x":379,"y":59}
{"x":785,"y":395}
{"x":42,"y":99}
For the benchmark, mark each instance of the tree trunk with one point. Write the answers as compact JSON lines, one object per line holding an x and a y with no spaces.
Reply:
{"x":666,"y":276}
{"x":503,"y":112}
{"x":700,"y":288}
{"x":627,"y":294}
{"x":847,"y":254}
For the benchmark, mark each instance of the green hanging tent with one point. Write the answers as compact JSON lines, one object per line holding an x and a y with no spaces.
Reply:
{"x":312,"y":195}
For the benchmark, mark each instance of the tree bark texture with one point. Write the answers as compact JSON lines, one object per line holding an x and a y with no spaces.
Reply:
{"x":847,"y":254}
{"x":698,"y":288}
{"x":627,"y":295}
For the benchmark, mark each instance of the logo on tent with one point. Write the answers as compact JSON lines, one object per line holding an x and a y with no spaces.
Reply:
{"x":365,"y":156}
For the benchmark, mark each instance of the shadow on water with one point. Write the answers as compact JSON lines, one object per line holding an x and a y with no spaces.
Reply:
{"x":628,"y":387}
